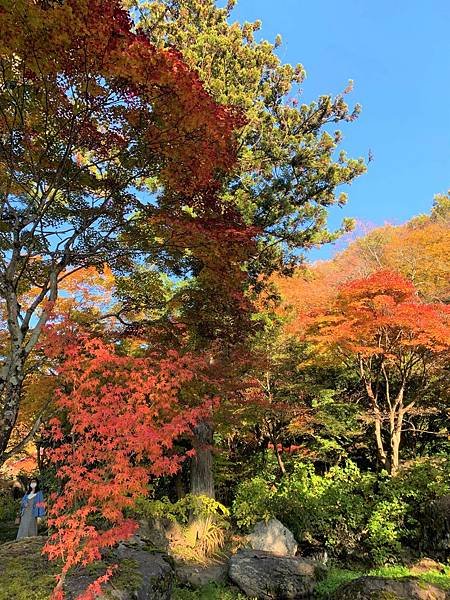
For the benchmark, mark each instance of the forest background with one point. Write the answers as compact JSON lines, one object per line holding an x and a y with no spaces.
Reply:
{"x":161,"y":330}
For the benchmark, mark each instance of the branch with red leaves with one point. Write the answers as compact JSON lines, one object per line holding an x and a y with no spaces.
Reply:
{"x":123,"y":415}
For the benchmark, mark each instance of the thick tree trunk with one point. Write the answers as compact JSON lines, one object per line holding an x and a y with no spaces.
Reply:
{"x":10,"y":401}
{"x":179,"y":486}
{"x":201,"y":476}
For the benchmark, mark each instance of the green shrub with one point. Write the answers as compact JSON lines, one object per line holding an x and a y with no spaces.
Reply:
{"x":385,"y":529}
{"x":182,"y":511}
{"x":209,"y":592}
{"x":8,"y":531}
{"x":350,"y":512}
{"x":9,"y":508}
{"x":254,"y":502}
{"x":331,"y":509}
{"x":419,"y":485}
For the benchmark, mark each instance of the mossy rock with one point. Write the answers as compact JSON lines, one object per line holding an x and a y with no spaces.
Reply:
{"x":383,"y":588}
{"x":141,"y":576}
{"x":125,"y":582}
{"x":25,"y":574}
{"x":198,"y":576}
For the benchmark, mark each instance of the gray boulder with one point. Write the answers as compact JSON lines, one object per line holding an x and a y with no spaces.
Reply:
{"x":273,"y":537}
{"x":155,"y":574}
{"x":196,"y":575}
{"x":265,"y":576}
{"x":435,"y":524}
{"x":383,"y":588}
{"x":142,"y":576}
{"x":154,"y":533}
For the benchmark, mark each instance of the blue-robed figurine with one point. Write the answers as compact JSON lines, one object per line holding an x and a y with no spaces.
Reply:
{"x":32,"y":509}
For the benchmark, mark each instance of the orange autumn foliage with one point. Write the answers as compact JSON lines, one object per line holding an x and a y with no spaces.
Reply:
{"x":368,"y":308}
{"x":308,"y":290}
{"x":418,"y":250}
{"x":393,"y":340}
{"x":96,"y":82}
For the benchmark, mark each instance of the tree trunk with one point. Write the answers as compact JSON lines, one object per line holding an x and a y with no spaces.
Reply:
{"x":201,"y":476}
{"x":274,"y":441}
{"x":396,"y":435}
{"x":394,"y":458}
{"x":381,"y":452}
{"x":179,"y":486}
{"x":10,"y":402}
{"x":279,"y":460}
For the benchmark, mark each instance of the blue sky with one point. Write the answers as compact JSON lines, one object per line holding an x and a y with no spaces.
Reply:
{"x":398,"y":54}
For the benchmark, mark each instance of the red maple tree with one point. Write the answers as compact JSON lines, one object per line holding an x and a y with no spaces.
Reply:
{"x":122,"y":414}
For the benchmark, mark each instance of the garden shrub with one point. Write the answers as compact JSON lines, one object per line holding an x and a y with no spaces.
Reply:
{"x":346,"y":510}
{"x":420,"y":485}
{"x":385,"y":530}
{"x":202,"y":524}
{"x":329,"y":509}
{"x":183,"y":510}
{"x":9,"y":508}
{"x":254,"y":502}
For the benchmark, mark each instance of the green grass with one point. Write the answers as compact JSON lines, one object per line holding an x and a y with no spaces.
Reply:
{"x":441,"y":580}
{"x":334,"y":579}
{"x":337,"y":577}
{"x":209,"y":592}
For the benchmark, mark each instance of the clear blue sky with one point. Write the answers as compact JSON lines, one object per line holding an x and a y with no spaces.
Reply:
{"x":398,"y":54}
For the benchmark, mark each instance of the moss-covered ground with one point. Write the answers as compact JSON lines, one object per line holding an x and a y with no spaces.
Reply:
{"x":24,"y":572}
